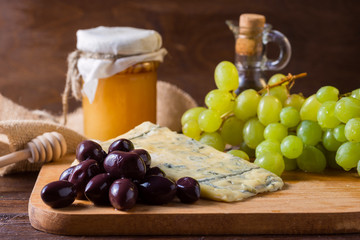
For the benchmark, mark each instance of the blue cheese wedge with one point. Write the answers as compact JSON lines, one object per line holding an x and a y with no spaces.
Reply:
{"x":222,"y":177}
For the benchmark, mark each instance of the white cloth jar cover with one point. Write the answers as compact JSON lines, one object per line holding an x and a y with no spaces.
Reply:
{"x":128,"y":45}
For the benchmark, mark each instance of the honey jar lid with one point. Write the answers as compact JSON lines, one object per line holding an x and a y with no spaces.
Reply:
{"x":104,"y":51}
{"x":118,"y":40}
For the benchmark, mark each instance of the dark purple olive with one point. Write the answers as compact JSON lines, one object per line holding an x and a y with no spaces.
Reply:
{"x":121,"y":144}
{"x":104,"y":154}
{"x":66,"y":173}
{"x":58,"y":194}
{"x":97,"y":189}
{"x":157,"y":190}
{"x":144,"y":155}
{"x":124,"y":165}
{"x":155,"y":171}
{"x":188,"y":190}
{"x":82,"y":174}
{"x":123,"y":194}
{"x":88,"y":149}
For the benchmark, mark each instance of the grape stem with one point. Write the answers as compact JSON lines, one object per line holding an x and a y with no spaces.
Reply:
{"x":348,"y":94}
{"x":289,"y":79}
{"x":227,"y":115}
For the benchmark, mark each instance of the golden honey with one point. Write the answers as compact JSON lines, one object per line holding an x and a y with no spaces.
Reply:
{"x":122,"y":102}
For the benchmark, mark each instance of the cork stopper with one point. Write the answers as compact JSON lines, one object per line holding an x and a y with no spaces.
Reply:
{"x":249,"y":41}
{"x":251,"y":21}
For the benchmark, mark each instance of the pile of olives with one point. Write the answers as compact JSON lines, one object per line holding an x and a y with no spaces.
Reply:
{"x":120,"y":178}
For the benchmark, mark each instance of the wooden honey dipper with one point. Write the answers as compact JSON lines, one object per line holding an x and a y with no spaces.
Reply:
{"x":44,"y":148}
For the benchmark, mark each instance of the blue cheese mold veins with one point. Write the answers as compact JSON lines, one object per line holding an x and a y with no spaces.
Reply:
{"x":222,"y":177}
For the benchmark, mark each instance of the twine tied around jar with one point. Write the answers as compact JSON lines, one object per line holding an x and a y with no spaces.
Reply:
{"x":73,"y":76}
{"x":74,"y":79}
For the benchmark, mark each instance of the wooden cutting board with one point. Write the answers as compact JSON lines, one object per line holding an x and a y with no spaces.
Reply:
{"x":308,"y":204}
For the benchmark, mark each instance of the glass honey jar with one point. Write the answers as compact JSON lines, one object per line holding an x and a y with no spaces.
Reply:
{"x":117,"y":74}
{"x":122,"y":102}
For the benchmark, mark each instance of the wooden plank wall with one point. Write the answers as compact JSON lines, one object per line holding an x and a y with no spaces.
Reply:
{"x":37,"y":35}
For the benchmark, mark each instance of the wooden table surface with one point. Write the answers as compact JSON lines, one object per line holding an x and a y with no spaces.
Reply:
{"x":323,"y":35}
{"x":14,"y":221}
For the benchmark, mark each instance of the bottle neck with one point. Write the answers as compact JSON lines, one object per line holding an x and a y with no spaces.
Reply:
{"x":251,"y":78}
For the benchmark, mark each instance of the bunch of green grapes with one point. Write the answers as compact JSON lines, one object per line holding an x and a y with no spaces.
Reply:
{"x":281,"y":131}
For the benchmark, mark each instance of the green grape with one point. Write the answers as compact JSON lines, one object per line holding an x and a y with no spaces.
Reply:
{"x":311,"y":160}
{"x":231,"y":131}
{"x":348,"y":155}
{"x":226,"y":76}
{"x":280,"y":92}
{"x":249,"y":151}
{"x":267,"y":146}
{"x":289,"y":117}
{"x":347,"y":108}
{"x":209,"y":121}
{"x":329,"y":142}
{"x":214,"y":140}
{"x":327,"y":93}
{"x":310,"y":108}
{"x":253,"y":132}
{"x":352,"y":130}
{"x":192,"y":113}
{"x":191,"y":129}
{"x":246,"y":104}
{"x":278,"y":77}
{"x":339,"y":133}
{"x":330,"y":160}
{"x":240,"y":154}
{"x":310,"y":132}
{"x":291,"y":147}
{"x":358,"y":167}
{"x":275,"y":131}
{"x":220,"y":101}
{"x":321,"y":148}
{"x":356,"y":93}
{"x":268,"y":110}
{"x":272,"y":162}
{"x":290,"y":164}
{"x":294,"y":100}
{"x":326,"y":117}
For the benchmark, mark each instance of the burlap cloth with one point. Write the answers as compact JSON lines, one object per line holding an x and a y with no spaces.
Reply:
{"x":19,"y":125}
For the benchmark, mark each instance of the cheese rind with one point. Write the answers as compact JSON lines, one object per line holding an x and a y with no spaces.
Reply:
{"x":222,"y":177}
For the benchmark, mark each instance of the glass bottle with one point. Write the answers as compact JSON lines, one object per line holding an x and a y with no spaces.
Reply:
{"x":250,"y":50}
